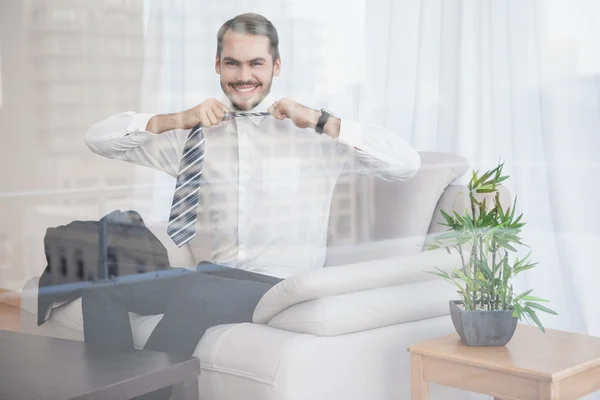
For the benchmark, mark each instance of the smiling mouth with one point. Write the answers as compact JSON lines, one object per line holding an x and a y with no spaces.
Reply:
{"x":245,"y":89}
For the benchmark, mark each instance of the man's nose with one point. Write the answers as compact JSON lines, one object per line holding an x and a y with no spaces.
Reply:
{"x":244,"y":73}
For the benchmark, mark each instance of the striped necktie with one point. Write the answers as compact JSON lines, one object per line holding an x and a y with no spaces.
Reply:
{"x":184,"y":209}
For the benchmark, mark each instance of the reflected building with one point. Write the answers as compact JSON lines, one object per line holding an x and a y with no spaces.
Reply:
{"x":82,"y":62}
{"x":118,"y":245}
{"x":71,"y":63}
{"x":85,"y":62}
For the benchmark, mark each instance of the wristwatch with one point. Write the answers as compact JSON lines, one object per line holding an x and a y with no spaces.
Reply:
{"x":322,"y":120}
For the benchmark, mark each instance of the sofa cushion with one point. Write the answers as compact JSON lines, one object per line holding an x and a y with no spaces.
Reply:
{"x":357,"y":277}
{"x":370,"y":309}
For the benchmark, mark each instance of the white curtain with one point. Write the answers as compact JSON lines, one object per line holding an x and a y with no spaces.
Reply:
{"x":513,"y":80}
{"x":510,"y":80}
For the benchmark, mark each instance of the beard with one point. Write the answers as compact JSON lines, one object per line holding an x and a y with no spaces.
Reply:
{"x":238,"y":106}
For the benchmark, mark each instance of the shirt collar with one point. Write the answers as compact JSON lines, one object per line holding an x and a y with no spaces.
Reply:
{"x":263,"y":106}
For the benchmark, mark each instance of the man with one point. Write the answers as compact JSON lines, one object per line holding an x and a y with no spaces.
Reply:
{"x":278,"y":174}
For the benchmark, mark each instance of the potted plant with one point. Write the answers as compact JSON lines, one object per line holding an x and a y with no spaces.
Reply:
{"x":486,"y":236}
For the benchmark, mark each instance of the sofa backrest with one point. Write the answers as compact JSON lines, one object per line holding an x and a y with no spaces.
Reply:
{"x":370,"y":218}
{"x":393,"y":218}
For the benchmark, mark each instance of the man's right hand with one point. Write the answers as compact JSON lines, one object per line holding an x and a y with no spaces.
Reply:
{"x":209,"y":113}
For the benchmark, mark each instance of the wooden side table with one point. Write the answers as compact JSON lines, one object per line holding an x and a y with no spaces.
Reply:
{"x":532,"y":366}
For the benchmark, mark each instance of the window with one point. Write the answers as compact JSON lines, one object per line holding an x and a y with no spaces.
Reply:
{"x":111,"y":260}
{"x":80,"y":264}
{"x":63,"y":261}
{"x":140,"y":267}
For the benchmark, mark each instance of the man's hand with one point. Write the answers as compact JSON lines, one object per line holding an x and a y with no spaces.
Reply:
{"x":301,"y":116}
{"x":210,"y":113}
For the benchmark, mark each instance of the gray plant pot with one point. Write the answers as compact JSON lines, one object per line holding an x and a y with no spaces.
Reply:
{"x":483,"y":328}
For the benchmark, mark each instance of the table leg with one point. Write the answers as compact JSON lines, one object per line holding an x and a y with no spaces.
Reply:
{"x":548,"y":391}
{"x":418,"y":387}
{"x":186,"y":390}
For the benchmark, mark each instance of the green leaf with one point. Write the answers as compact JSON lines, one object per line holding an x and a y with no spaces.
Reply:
{"x":443,"y":273}
{"x":541,"y":308}
{"x":517,"y":311}
{"x":448,"y":218}
{"x":485,"y":190}
{"x":535,"y":318}
{"x":533,"y":298}
{"x":463,"y":240}
{"x":519,"y":262}
{"x":514,"y":208}
{"x":473,"y":180}
{"x":484,"y":268}
{"x":522,"y":295}
{"x":480,"y":282}
{"x":488,"y":222}
{"x":485,"y":176}
{"x":468,"y":222}
{"x":524,"y":316}
{"x":505,"y":244}
{"x":500,"y":211}
{"x":518,"y":219}
{"x":445,"y":276}
{"x":449,"y":235}
{"x":465,"y":278}
{"x":501,"y":179}
{"x":506,"y":272}
{"x":458,"y":221}
{"x":524,"y":268}
{"x":510,"y":236}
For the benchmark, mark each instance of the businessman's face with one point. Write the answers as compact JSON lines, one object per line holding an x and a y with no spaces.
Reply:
{"x":246,"y":68}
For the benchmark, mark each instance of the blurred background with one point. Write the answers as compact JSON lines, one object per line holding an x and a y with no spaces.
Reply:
{"x":491,"y":80}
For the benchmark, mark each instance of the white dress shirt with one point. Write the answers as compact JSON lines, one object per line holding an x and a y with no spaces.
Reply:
{"x":270,"y":183}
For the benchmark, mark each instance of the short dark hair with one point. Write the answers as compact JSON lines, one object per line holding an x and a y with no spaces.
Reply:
{"x":253,"y":24}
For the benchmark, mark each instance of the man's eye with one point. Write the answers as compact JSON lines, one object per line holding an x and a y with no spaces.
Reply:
{"x":230,"y":63}
{"x":256,"y":63}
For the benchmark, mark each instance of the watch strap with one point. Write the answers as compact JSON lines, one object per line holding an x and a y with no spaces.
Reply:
{"x":322,"y":121}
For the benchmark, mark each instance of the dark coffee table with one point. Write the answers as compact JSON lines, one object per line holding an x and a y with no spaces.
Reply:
{"x":40,"y":367}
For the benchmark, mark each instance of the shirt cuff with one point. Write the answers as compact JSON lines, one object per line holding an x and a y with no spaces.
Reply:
{"x":139,"y":123}
{"x":350,"y":133}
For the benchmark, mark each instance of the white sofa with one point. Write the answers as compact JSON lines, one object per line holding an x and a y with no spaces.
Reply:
{"x":337,"y":333}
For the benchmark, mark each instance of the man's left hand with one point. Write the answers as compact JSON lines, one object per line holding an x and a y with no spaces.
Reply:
{"x":301,"y":116}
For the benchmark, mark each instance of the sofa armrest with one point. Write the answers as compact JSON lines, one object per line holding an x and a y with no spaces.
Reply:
{"x":362,"y":276}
